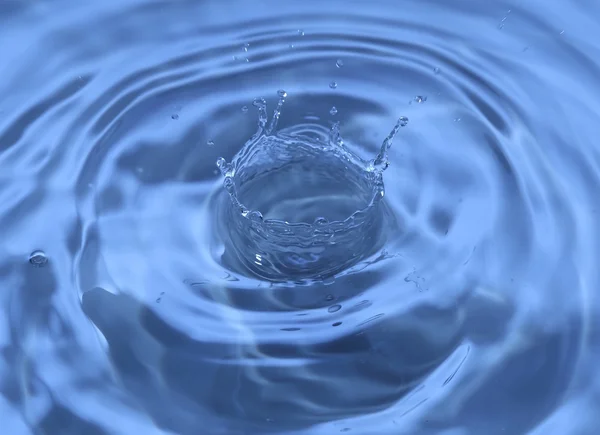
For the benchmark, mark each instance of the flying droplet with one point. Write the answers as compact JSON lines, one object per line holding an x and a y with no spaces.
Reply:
{"x":292,"y":46}
{"x":403,"y":121}
{"x":38,"y":258}
{"x":244,"y":109}
{"x":337,"y":324}
{"x":333,"y":85}
{"x":436,"y":70}
{"x":339,"y":63}
{"x":334,"y":308}
{"x":333,"y":111}
{"x":300,"y":32}
{"x":210,"y":143}
{"x":281,"y":93}
{"x":329,"y":298}
{"x":175,"y":116}
{"x":420,"y":99}
{"x":245,"y":47}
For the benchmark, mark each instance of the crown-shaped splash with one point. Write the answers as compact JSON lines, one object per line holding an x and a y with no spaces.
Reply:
{"x":302,"y":208}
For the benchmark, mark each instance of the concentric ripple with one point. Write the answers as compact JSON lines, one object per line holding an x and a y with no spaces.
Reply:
{"x":465,"y":305}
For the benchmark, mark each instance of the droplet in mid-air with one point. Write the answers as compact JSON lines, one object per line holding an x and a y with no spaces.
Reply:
{"x":244,"y":109}
{"x":436,"y":70}
{"x":339,"y":63}
{"x":38,"y":258}
{"x":420,"y":99}
{"x":334,"y":308}
{"x":333,"y":111}
{"x":175,"y":116}
{"x":333,"y":85}
{"x":210,"y":143}
{"x":300,"y":32}
{"x":246,"y":47}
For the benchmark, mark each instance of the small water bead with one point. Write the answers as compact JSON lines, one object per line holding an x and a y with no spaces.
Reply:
{"x":339,"y":63}
{"x":436,"y":70}
{"x":281,"y":93}
{"x":420,"y":99}
{"x":329,"y":298}
{"x":38,"y":258}
{"x":334,"y":308}
{"x":337,"y":324}
{"x":245,"y":47}
{"x":175,"y":116}
{"x":300,"y":32}
{"x":333,"y":111}
{"x":333,"y":85}
{"x":244,"y":109}
{"x":210,"y":143}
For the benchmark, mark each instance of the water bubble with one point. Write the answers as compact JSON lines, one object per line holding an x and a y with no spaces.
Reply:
{"x":245,"y":47}
{"x":333,"y":85}
{"x":300,"y":32}
{"x":244,"y":109}
{"x":339,"y":63}
{"x":420,"y":99}
{"x":38,"y":258}
{"x":436,"y":70}
{"x":210,"y":143}
{"x":334,"y":308}
{"x":175,"y":116}
{"x":333,"y":111}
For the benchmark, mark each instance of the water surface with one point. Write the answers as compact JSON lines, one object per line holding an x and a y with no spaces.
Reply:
{"x":468,"y":307}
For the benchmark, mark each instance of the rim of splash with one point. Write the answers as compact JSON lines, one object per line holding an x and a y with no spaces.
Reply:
{"x":375,"y":166}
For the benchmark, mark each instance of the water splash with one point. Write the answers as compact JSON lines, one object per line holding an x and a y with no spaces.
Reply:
{"x":328,"y":205}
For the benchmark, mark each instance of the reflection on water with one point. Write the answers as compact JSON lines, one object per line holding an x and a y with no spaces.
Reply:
{"x":466,"y":307}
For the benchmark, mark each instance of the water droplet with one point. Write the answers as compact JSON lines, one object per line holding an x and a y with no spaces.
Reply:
{"x":300,"y":32}
{"x":175,"y":116}
{"x":245,"y":47}
{"x":38,"y":258}
{"x":333,"y":85}
{"x":244,"y":109}
{"x":210,"y":143}
{"x":339,"y":63}
{"x":436,"y":70}
{"x":247,"y":60}
{"x":281,"y":93}
{"x":292,"y":46}
{"x":562,"y":32}
{"x":235,"y":58}
{"x":334,"y":308}
{"x":420,"y":99}
{"x":329,"y":298}
{"x":159,"y":298}
{"x":403,"y":121}
{"x":456,"y":119}
{"x":337,"y":324}
{"x":333,"y":111}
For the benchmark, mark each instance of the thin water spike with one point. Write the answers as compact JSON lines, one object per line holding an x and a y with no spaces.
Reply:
{"x":261,"y":104}
{"x":381,"y":162}
{"x":224,"y":167}
{"x":334,"y":134}
{"x":282,"y":95}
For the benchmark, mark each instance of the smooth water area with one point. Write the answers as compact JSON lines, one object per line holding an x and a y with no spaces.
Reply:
{"x":138,"y":297}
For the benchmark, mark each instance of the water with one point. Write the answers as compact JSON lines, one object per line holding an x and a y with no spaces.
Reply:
{"x":464,"y":303}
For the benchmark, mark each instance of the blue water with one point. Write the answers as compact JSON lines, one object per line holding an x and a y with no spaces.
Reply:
{"x":136,"y":302}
